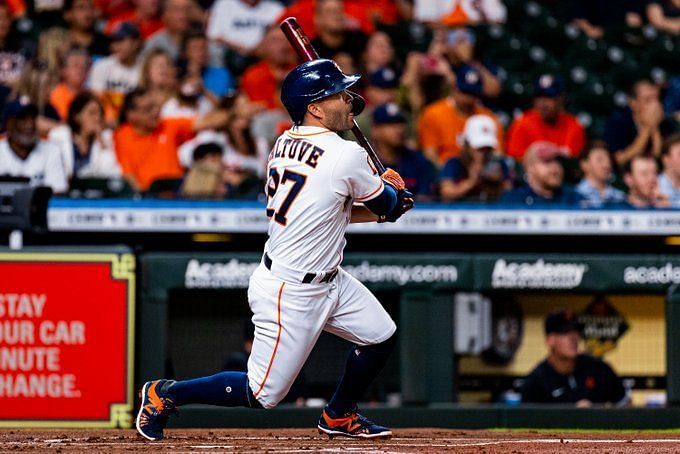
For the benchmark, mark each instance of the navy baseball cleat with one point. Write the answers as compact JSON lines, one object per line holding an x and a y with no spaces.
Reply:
{"x":155,"y":408}
{"x":352,"y":425}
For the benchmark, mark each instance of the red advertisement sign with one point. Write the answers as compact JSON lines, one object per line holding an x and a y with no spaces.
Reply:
{"x":66,"y":339}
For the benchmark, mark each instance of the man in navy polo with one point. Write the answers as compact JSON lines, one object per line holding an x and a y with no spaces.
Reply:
{"x":389,"y":136}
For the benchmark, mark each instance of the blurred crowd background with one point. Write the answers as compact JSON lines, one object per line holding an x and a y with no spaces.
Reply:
{"x":524,"y":102}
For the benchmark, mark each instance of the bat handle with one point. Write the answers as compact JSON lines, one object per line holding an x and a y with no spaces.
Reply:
{"x":363,"y":141}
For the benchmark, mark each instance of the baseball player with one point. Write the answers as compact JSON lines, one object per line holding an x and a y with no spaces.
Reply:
{"x":318,"y":183}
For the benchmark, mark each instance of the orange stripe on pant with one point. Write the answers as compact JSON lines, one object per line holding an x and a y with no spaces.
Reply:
{"x":276,"y":345}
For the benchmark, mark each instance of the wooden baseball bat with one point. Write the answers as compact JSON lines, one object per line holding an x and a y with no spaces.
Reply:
{"x":306,"y":52}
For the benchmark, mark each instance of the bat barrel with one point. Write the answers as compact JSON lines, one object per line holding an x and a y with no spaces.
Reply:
{"x":298,"y":39}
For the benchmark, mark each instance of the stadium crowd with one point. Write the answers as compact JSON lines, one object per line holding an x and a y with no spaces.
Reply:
{"x":535,"y":103}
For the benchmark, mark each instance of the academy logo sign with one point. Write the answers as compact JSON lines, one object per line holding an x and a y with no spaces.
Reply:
{"x":403,"y":274}
{"x":666,"y":274}
{"x":536,"y":275}
{"x":233,"y":274}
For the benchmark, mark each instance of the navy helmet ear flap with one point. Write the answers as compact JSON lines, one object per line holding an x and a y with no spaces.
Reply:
{"x":314,"y":80}
{"x":358,"y":103}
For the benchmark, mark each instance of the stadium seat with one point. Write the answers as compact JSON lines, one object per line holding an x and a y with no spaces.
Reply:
{"x":663,"y":52}
{"x":572,"y":170}
{"x":593,"y":96}
{"x":95,"y":188}
{"x":587,"y":53}
{"x":516,"y":92}
{"x":164,"y":188}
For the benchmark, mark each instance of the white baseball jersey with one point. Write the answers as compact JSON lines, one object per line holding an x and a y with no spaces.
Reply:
{"x":314,"y":178}
{"x":43,"y":165}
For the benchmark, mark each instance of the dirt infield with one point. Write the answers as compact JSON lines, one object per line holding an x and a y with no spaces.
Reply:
{"x":308,"y":440}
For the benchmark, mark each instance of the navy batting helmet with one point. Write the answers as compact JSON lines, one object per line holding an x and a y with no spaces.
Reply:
{"x":314,"y":80}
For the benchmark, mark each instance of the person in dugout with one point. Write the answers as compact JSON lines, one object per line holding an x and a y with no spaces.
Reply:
{"x":567,"y":376}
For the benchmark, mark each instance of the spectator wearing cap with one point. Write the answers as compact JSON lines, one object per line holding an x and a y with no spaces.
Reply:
{"x":639,"y":128}
{"x":480,"y":173}
{"x":460,"y":50}
{"x":24,"y":154}
{"x":111,"y":78}
{"x":443,"y":121}
{"x":641,"y":175}
{"x":144,"y":15}
{"x":383,"y":86}
{"x":389,"y":136}
{"x":595,"y":186}
{"x":80,"y":16}
{"x":669,"y":180}
{"x":544,"y":177}
{"x":175,"y":17}
{"x":567,"y":376}
{"x":546,"y":122}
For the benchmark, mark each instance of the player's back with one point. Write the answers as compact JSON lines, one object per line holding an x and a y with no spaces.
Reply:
{"x":308,"y":202}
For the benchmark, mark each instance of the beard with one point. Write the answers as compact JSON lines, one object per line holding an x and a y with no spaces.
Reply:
{"x":27,"y":141}
{"x":338,"y":121}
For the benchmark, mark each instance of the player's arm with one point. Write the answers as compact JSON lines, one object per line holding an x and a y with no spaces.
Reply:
{"x":362,"y":214}
{"x":388,"y":206}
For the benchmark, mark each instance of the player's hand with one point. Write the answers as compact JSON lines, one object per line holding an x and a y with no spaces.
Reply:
{"x":393,"y":179}
{"x":405,"y":202}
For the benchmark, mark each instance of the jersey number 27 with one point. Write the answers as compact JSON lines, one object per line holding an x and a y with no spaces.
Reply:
{"x":273,"y":183}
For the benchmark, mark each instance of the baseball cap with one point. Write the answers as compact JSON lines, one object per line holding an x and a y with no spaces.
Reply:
{"x":561,"y":321}
{"x":545,"y":151}
{"x":480,"y":132}
{"x":125,"y":30}
{"x":548,"y":86}
{"x":469,"y":80}
{"x":457,"y":34}
{"x":19,"y":108}
{"x":388,"y":113}
{"x":384,"y":78}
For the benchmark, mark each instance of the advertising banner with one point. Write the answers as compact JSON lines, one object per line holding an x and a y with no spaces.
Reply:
{"x":66,"y":339}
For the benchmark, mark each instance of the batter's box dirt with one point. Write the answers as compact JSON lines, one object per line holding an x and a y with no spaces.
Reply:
{"x":308,"y":440}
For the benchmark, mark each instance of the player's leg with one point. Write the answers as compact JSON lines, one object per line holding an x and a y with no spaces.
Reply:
{"x":360,"y":318}
{"x":288,"y":322}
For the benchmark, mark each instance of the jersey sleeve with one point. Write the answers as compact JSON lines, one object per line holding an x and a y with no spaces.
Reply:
{"x":353,"y":176}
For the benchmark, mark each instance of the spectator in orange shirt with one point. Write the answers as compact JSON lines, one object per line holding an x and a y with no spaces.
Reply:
{"x":146,"y":145}
{"x":76,"y":65}
{"x":546,"y":122}
{"x":145,"y":16}
{"x":442,"y":122}
{"x":262,"y":81}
